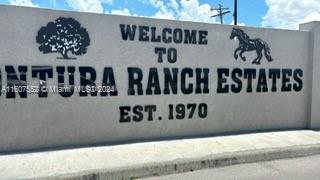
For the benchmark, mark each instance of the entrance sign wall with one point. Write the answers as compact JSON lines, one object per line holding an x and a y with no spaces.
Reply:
{"x":72,"y":79}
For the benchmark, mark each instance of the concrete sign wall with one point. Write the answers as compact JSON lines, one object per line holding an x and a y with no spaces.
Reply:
{"x":82,"y":79}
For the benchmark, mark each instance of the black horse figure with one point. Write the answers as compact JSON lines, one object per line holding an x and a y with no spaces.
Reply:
{"x":247,"y":44}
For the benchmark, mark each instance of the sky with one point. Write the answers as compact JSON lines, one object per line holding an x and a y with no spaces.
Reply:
{"x":284,"y":14}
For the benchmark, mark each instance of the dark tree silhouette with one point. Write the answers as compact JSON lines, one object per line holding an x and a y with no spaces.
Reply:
{"x":62,"y":36}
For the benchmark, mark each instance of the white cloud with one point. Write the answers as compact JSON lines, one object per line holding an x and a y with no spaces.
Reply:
{"x":290,"y":13}
{"x":124,"y":11}
{"x":23,"y":3}
{"x":193,"y":11}
{"x":314,"y":16}
{"x":88,"y":5}
{"x":238,"y":23}
{"x":189,"y":10}
{"x":165,"y":11}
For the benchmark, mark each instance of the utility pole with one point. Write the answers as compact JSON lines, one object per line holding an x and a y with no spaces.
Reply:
{"x":220,"y":12}
{"x":235,"y":13}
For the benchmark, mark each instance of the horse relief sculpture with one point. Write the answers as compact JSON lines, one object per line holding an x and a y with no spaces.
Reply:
{"x":247,"y":44}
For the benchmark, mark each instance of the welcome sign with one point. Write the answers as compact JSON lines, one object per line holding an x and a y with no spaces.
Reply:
{"x":81,"y":79}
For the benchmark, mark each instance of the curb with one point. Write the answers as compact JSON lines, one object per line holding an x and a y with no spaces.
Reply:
{"x":185,"y":165}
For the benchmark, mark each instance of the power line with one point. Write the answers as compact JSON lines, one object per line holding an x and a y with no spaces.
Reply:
{"x":221,"y":12}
